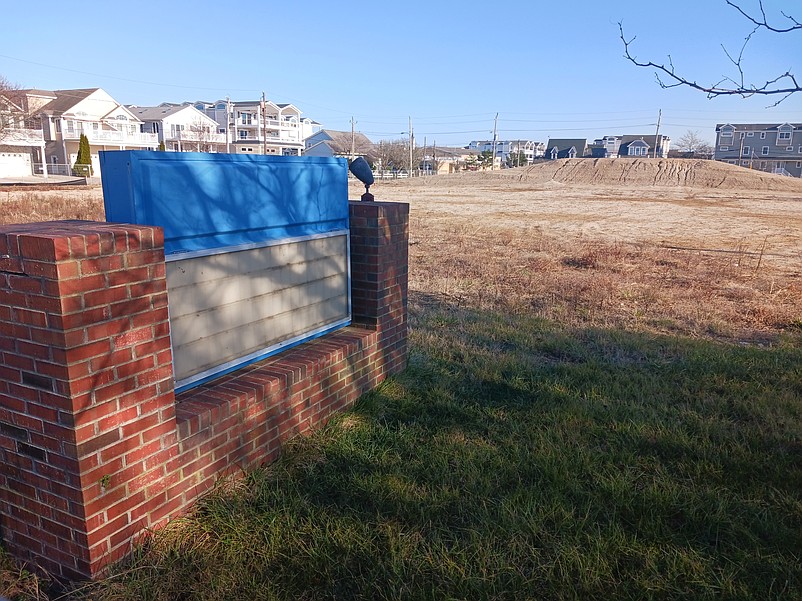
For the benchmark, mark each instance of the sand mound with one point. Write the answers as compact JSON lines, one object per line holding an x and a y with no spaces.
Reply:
{"x":693,"y":173}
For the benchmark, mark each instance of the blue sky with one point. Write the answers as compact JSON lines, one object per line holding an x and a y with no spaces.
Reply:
{"x":549,"y":69}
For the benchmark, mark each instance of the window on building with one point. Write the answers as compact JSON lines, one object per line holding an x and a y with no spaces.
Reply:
{"x":798,"y":164}
{"x":762,"y":135}
{"x":764,"y":151}
{"x":742,"y":135}
{"x":750,"y":134}
{"x":726,"y":133}
{"x":784,"y":135}
{"x":243,"y":135}
{"x":746,"y":151}
{"x":724,"y":148}
{"x":744,"y":163}
{"x":789,"y":148}
{"x":246,"y":118}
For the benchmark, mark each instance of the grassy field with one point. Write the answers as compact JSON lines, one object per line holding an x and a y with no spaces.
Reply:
{"x":581,"y":419}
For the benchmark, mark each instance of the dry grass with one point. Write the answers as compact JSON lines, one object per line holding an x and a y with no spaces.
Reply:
{"x":24,"y":205}
{"x":735,"y":294}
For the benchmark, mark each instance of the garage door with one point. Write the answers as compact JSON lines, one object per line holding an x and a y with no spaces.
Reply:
{"x":15,"y":164}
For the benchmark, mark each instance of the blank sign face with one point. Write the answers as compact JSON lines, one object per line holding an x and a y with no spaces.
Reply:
{"x":257,"y":249}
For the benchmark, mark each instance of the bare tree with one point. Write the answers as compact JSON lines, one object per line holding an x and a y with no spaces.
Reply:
{"x":783,"y":84}
{"x":692,"y":145}
{"x":12,"y":108}
{"x":394,"y":154}
{"x":199,"y":135}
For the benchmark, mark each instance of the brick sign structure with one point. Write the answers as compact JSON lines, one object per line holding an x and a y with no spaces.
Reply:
{"x":95,"y":446}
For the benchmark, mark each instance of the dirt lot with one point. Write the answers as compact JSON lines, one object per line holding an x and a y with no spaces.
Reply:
{"x":726,"y":208}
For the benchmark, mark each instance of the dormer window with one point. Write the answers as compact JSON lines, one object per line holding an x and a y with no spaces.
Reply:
{"x":784,"y":133}
{"x":726,"y":132}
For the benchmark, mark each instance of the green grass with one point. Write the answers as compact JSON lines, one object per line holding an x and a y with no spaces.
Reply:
{"x":517,"y":459}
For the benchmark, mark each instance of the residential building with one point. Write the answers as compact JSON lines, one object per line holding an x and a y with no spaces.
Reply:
{"x":441,"y":160}
{"x":22,"y":145}
{"x":504,"y":148}
{"x":107,"y":124}
{"x":181,"y":128}
{"x":566,"y":148}
{"x":771,"y":147}
{"x":610,"y":147}
{"x":258,"y":127}
{"x":332,"y":143}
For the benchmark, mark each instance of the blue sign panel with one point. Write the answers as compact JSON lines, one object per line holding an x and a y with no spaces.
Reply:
{"x":206,"y":201}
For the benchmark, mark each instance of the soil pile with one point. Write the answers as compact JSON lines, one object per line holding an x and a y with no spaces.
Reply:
{"x":640,"y":172}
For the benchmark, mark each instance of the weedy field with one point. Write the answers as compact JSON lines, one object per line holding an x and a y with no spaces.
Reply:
{"x":604,"y":400}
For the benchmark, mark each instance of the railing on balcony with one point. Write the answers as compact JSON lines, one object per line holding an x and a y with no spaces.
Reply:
{"x":18,"y":136}
{"x":190,"y":138}
{"x":117,"y":137}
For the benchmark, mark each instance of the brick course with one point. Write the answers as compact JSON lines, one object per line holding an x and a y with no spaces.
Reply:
{"x":95,"y":445}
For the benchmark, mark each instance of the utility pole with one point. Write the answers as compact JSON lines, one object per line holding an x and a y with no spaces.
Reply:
{"x":740,"y":149}
{"x":657,"y":131}
{"x":425,"y":170}
{"x":352,"y":138}
{"x":495,"y":130}
{"x":411,"y":143}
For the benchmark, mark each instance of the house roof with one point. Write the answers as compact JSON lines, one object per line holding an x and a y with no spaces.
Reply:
{"x":155,"y":113}
{"x":566,"y":143}
{"x":340,"y":142}
{"x":37,"y":92}
{"x":447,"y":151}
{"x":650,"y":140}
{"x":66,"y":99}
{"x":757,"y":126}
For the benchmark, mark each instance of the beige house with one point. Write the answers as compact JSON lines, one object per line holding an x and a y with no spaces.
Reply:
{"x":107,"y":124}
{"x":22,"y":146}
{"x":441,"y":160}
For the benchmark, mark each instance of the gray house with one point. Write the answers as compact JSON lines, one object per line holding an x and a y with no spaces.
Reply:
{"x":630,"y":146}
{"x":566,"y":148}
{"x":770,"y":147}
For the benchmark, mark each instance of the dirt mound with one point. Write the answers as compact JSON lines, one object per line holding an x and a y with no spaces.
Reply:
{"x":638,"y":172}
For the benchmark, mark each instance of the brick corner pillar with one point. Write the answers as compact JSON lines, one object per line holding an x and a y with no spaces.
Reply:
{"x":87,"y":411}
{"x":380,"y":274}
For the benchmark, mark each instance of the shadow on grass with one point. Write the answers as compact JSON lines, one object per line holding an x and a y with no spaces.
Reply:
{"x":517,"y":459}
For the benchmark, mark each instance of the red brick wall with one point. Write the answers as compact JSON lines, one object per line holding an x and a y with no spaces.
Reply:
{"x":94,"y":445}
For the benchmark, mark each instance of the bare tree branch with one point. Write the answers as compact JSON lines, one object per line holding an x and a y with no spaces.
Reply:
{"x":784,"y":84}
{"x":764,"y":22}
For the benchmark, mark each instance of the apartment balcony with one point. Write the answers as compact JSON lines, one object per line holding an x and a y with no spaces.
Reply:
{"x":267,"y":123}
{"x":186,"y":137}
{"x":107,"y":136}
{"x":22,"y":137}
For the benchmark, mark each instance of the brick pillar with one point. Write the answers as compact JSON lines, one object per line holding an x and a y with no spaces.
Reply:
{"x":379,"y":275}
{"x":87,"y":413}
